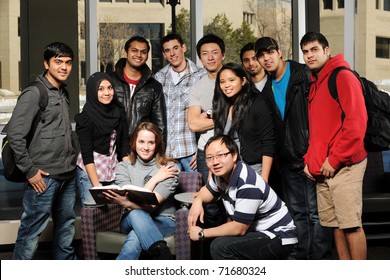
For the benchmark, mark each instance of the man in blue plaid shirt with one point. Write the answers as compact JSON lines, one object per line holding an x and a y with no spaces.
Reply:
{"x":176,"y":78}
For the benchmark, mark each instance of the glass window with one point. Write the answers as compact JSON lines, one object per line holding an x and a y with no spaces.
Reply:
{"x":139,"y":1}
{"x":248,"y":17}
{"x":105,"y":1}
{"x":377,"y":4}
{"x":155,"y":1}
{"x":386,"y":5}
{"x":340,"y":4}
{"x":125,"y":1}
{"x":328,"y":4}
{"x":382,"y":47}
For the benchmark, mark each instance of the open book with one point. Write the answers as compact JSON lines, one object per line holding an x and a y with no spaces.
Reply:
{"x":134,"y":193}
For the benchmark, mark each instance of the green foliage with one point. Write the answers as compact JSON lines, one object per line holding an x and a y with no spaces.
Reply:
{"x":239,"y":38}
{"x":222,"y":27}
{"x":183,"y":29}
{"x":234,"y":39}
{"x":244,"y":34}
{"x":183,"y":25}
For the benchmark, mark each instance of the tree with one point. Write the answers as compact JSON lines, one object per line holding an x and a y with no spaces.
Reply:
{"x":183,"y":29}
{"x":111,"y":40}
{"x":234,"y":39}
{"x":274,"y":20}
{"x":222,"y":27}
{"x":239,"y":38}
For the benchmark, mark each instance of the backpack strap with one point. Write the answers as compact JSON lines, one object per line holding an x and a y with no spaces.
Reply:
{"x":333,"y":87}
{"x":43,"y":101}
{"x":332,"y":82}
{"x":43,"y":95}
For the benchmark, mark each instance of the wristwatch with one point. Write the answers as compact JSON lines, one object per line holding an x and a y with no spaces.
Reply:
{"x":201,"y":235}
{"x":209,"y":113}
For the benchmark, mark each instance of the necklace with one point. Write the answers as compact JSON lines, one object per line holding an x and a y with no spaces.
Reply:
{"x":182,"y":70}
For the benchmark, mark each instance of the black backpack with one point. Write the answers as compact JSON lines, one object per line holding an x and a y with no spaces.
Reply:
{"x":11,"y":171}
{"x":377,"y":102}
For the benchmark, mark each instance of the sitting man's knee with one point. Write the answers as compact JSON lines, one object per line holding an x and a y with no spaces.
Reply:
{"x":219,"y":248}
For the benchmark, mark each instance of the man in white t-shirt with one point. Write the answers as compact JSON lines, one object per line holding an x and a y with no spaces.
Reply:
{"x":252,"y":66}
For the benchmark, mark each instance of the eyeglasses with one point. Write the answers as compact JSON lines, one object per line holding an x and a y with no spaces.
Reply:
{"x":218,"y":157}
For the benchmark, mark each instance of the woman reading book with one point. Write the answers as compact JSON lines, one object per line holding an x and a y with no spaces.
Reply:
{"x":103,"y":136}
{"x":149,"y":167}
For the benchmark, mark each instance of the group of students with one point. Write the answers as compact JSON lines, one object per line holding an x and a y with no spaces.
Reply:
{"x":236,"y":124}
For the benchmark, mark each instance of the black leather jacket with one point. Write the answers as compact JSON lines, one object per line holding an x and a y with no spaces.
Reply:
{"x":147,"y":102}
{"x":292,"y":133}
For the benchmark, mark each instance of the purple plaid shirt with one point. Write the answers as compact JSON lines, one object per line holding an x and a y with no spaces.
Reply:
{"x":105,"y":164}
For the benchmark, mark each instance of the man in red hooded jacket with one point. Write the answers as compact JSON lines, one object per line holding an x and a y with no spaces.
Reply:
{"x":336,"y":157}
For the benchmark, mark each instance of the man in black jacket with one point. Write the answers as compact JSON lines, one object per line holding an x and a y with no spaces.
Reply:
{"x":137,"y":89}
{"x":289,"y":81}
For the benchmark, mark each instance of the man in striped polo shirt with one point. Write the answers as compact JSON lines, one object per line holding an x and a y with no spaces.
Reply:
{"x":259,"y":225}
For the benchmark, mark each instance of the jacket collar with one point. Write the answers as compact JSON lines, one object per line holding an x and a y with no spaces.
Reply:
{"x":146,"y":73}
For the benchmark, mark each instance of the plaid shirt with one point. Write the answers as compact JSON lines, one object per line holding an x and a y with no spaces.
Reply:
{"x":181,"y":142}
{"x":105,"y":164}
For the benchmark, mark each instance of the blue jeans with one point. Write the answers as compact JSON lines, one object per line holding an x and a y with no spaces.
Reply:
{"x":56,"y":201}
{"x":314,"y":240}
{"x":83,"y":185}
{"x":143,"y":231}
{"x":184,"y":163}
{"x":251,"y":246}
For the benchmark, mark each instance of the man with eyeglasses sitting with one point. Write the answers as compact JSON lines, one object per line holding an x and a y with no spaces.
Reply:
{"x":259,"y":225}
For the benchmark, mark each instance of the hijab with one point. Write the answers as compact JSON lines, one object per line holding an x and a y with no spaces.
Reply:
{"x":105,"y":117}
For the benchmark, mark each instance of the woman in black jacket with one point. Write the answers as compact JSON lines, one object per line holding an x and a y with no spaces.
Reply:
{"x":241,"y":111}
{"x":103,"y":136}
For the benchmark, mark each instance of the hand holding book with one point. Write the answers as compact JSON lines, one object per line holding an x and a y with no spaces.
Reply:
{"x":134,"y":193}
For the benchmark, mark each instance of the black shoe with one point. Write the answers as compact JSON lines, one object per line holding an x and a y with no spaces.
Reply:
{"x":159,"y":251}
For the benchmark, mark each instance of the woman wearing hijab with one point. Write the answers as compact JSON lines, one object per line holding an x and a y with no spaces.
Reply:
{"x":103,"y":136}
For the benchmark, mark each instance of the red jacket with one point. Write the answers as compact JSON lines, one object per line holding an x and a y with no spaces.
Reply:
{"x":330,"y":136}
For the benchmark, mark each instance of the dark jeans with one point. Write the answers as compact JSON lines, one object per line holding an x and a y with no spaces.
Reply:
{"x":202,"y":166}
{"x":56,"y":201}
{"x":252,"y":246}
{"x":214,"y":212}
{"x":314,"y":240}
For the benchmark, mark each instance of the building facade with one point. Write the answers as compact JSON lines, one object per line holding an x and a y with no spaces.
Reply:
{"x":372,"y":36}
{"x":149,"y":18}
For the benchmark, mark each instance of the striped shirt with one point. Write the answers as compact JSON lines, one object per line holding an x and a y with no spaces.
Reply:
{"x":248,"y":199}
{"x":181,"y":142}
